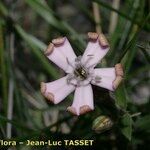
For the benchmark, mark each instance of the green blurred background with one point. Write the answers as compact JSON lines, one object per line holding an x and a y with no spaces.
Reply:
{"x":27,"y":27}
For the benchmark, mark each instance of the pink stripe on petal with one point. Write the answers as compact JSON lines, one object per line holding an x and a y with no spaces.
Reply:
{"x":106,"y":75}
{"x":60,"y":53}
{"x":59,"y":89}
{"x":83,"y":100}
{"x":96,"y":50}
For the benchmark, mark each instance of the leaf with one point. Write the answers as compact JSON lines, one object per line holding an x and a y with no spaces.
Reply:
{"x":127,"y":126}
{"x":31,"y":39}
{"x":15,"y":123}
{"x":3,"y":9}
{"x":80,"y":5}
{"x":126,"y":16}
{"x":3,"y":70}
{"x":143,"y":123}
{"x":128,"y":58}
{"x":121,"y":97}
{"x":46,"y":13}
{"x":133,"y":39}
{"x":36,"y":46}
{"x":144,"y":50}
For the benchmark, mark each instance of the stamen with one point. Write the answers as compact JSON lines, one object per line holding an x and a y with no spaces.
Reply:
{"x":80,"y":75}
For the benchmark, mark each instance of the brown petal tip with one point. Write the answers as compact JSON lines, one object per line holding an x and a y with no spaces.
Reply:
{"x":72,"y":110}
{"x":43,"y":87}
{"x":103,"y":41}
{"x":119,"y":70}
{"x":58,"y":41}
{"x":117,"y":81}
{"x":49,"y":49}
{"x":84,"y":109}
{"x":50,"y":97}
{"x":92,"y":35}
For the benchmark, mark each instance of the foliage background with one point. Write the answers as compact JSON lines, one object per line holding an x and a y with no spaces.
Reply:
{"x":27,"y":26}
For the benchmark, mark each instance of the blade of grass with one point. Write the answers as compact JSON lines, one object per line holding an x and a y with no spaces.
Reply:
{"x":134,"y":73}
{"x":84,"y":10}
{"x":114,"y":16}
{"x":128,"y":58}
{"x":11,"y":87}
{"x":3,"y":67}
{"x":121,"y":97}
{"x":127,"y":126}
{"x":36,"y":46}
{"x":15,"y":123}
{"x":38,"y":133}
{"x":120,"y":13}
{"x":126,"y":28}
{"x":129,"y":44}
{"x":47,"y":14}
{"x":144,"y":51}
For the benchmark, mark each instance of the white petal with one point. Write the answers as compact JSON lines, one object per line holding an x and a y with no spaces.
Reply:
{"x":60,"y":53}
{"x":58,"y":90}
{"x":94,"y":53}
{"x":107,"y":76}
{"x":83,"y":100}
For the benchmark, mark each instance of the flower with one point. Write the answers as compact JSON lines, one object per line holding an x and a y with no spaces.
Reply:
{"x":80,"y":73}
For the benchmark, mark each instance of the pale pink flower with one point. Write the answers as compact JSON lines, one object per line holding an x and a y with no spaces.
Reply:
{"x":80,"y":73}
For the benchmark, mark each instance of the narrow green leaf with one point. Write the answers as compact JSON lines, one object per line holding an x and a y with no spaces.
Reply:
{"x":133,"y":39}
{"x":31,"y":39}
{"x":128,"y":58}
{"x":3,"y":9}
{"x":137,"y":71}
{"x":127,"y":126}
{"x":121,"y":97}
{"x":35,"y":45}
{"x":15,"y":123}
{"x":85,"y":10}
{"x":144,"y":50}
{"x":46,"y":13}
{"x":126,"y":16}
{"x":3,"y":69}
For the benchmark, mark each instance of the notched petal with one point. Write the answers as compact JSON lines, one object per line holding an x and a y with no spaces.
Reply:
{"x":84,"y":109}
{"x":119,"y":75}
{"x":48,"y":95}
{"x":119,"y":70}
{"x":49,"y":49}
{"x":58,"y":41}
{"x":72,"y":110}
{"x":92,"y":35}
{"x":117,"y":81}
{"x":43,"y":87}
{"x":103,"y":41}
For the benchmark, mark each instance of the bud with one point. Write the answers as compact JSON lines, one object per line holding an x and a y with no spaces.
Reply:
{"x":101,"y":124}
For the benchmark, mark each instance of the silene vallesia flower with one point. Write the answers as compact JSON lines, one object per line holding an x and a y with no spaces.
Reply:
{"x":80,"y":73}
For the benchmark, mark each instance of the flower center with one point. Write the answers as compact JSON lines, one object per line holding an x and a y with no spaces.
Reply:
{"x":81,"y":75}
{"x":80,"y":72}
